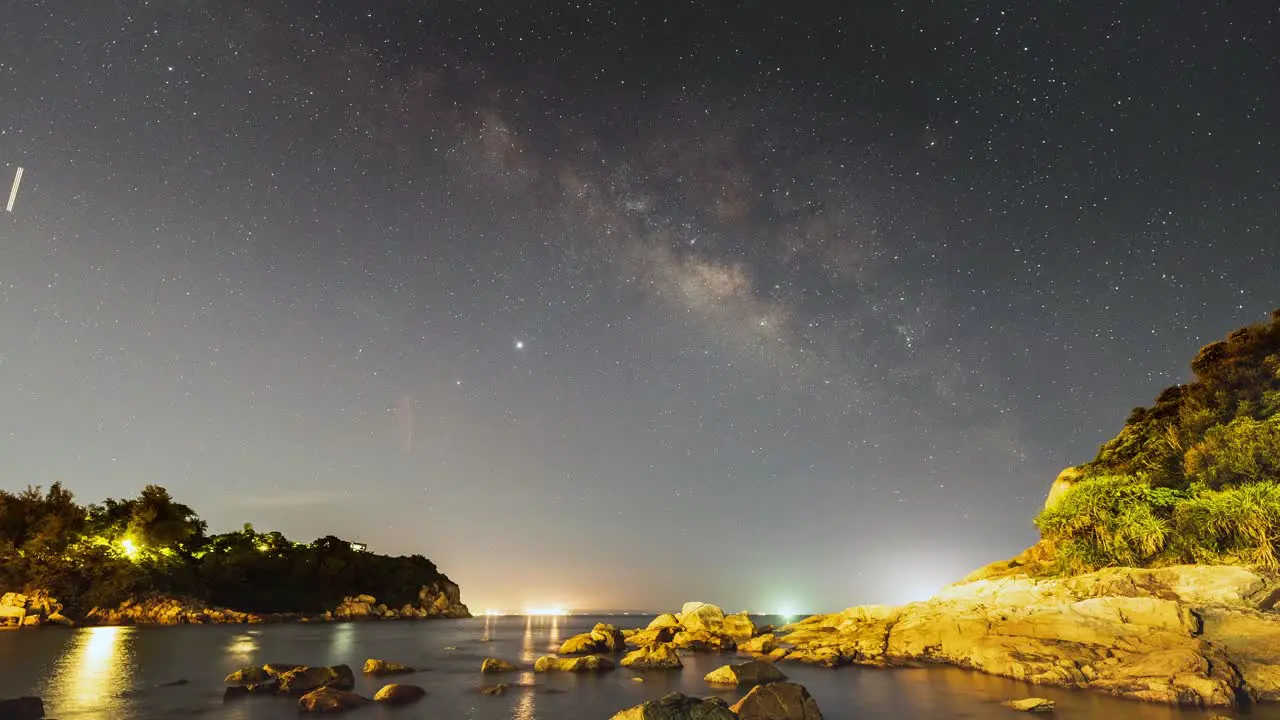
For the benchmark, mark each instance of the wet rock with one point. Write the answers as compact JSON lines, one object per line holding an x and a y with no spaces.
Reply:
{"x":384,"y":667}
{"x":778,"y":701}
{"x":330,"y":700}
{"x":703,"y":641}
{"x":499,"y":689}
{"x":678,"y":706}
{"x":739,"y":627}
{"x":248,"y":674}
{"x":702,"y":616}
{"x":659,"y":656}
{"x":22,"y":708}
{"x":588,"y":663}
{"x":760,"y":645}
{"x":496,"y":665}
{"x":752,"y":672}
{"x":650,"y":636}
{"x":1035,"y":705}
{"x":399,"y":694}
{"x":305,"y":679}
{"x":665,"y":620}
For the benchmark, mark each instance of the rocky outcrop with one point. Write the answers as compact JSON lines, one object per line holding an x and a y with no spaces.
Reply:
{"x":777,"y":701}
{"x":328,"y":700}
{"x":1189,"y":635}
{"x":440,"y":599}
{"x":659,"y":656}
{"x":678,"y":706}
{"x":602,"y":638}
{"x":172,"y":610}
{"x":31,"y":609}
{"x":752,"y":672}
{"x":495,"y":665}
{"x":698,"y":627}
{"x":587,"y":663}
{"x":385,"y":667}
{"x":399,"y":694}
{"x":302,"y":680}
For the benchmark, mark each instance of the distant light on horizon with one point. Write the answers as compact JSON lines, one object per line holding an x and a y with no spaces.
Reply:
{"x":545,"y":611}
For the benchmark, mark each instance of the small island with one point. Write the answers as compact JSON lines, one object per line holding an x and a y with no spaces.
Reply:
{"x":150,"y":560}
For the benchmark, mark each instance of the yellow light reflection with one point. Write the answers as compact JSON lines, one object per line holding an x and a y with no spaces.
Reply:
{"x":342,"y":640}
{"x":94,"y":672}
{"x":243,"y":647}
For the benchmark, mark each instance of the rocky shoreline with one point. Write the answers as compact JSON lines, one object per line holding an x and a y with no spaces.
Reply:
{"x":36,"y":608}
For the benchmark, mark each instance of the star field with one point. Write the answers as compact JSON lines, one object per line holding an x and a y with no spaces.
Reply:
{"x":623,"y":304}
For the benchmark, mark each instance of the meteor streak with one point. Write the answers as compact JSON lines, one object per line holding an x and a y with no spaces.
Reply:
{"x":13,"y":194}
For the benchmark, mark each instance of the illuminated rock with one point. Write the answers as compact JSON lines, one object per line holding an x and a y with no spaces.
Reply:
{"x":1035,"y":705}
{"x":650,"y":636}
{"x":678,"y":706}
{"x":761,"y":645}
{"x":384,"y":667}
{"x":739,"y":627}
{"x":399,"y":694}
{"x":588,"y":663}
{"x":305,"y":679}
{"x":752,"y":672}
{"x":495,"y":665}
{"x":330,"y":700}
{"x":659,"y":656}
{"x":777,"y":701}
{"x":665,"y":620}
{"x":696,"y":616}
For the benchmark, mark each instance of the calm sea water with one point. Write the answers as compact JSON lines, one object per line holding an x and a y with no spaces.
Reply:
{"x":119,"y":673}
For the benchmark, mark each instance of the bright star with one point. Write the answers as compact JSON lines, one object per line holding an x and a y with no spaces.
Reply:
{"x":519,"y":344}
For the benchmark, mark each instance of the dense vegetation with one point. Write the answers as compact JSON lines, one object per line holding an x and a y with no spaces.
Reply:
{"x":1194,"y":478}
{"x":101,"y":555}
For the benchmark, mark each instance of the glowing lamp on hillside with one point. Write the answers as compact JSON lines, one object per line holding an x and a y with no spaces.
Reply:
{"x":130,"y":549}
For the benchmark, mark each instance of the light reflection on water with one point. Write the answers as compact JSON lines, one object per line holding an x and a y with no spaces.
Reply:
{"x":88,"y":675}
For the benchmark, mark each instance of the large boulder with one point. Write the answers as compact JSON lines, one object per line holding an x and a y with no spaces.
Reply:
{"x":739,"y":627}
{"x":650,"y":636}
{"x":588,"y":663}
{"x":385,"y":667}
{"x":602,"y":638}
{"x":399,"y":694}
{"x":701,"y":616}
{"x":665,"y":620}
{"x":328,"y":700}
{"x":659,"y":656}
{"x":677,"y":706}
{"x":777,"y":701}
{"x":703,"y":641}
{"x":752,"y":672}
{"x":759,"y":645}
{"x":608,"y":638}
{"x":578,"y":645}
{"x":302,"y":680}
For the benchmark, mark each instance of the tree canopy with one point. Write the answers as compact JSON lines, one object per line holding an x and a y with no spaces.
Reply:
{"x":1193,"y":478}
{"x":102,"y":554}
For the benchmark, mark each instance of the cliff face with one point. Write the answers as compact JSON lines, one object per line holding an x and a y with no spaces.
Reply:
{"x":1200,"y":636}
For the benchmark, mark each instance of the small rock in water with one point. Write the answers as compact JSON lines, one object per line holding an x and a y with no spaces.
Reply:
{"x":399,"y":694}
{"x":330,"y":700}
{"x":496,"y":665}
{"x":384,"y":667}
{"x":499,"y":689}
{"x":1035,"y":705}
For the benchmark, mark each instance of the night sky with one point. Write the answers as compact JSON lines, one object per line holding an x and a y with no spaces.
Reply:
{"x":783,"y":306}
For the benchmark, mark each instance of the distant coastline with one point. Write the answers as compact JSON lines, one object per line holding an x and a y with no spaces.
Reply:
{"x":150,"y":560}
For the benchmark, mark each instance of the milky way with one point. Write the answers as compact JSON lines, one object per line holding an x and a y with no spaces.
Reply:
{"x":617,"y":306}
